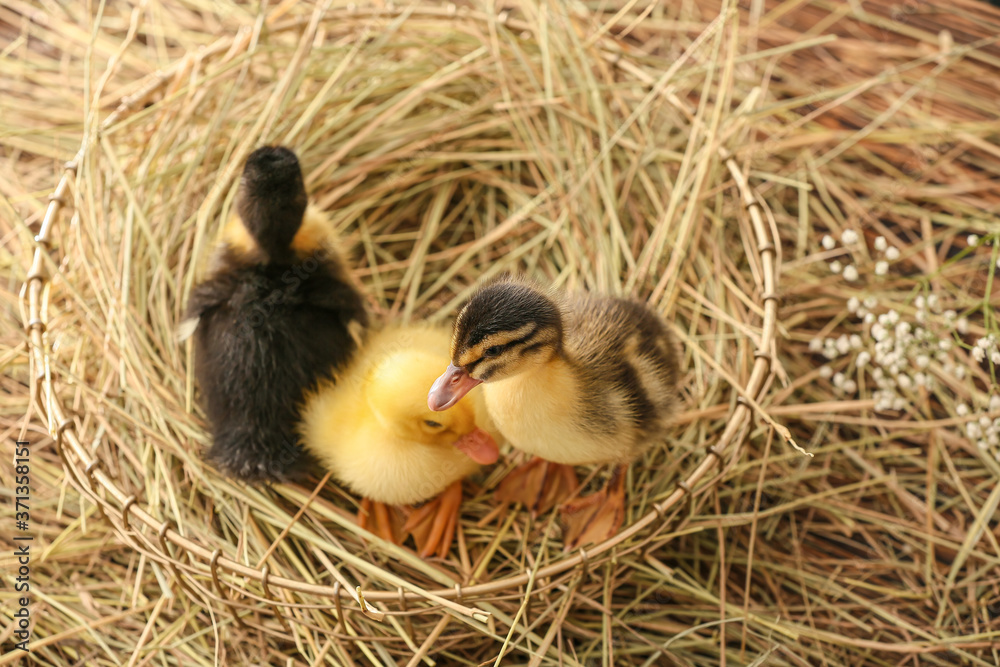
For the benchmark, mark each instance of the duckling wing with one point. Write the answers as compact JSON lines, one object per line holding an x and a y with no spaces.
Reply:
{"x":627,"y":364}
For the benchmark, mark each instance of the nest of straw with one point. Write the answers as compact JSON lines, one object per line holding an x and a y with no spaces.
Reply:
{"x":694,"y":158}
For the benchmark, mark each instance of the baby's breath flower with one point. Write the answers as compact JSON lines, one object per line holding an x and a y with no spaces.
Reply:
{"x":995,"y":403}
{"x":869,"y":318}
{"x":853,"y":304}
{"x":972,"y":430}
{"x":892,"y":253}
{"x":899,"y":403}
{"x":934,"y":303}
{"x":962,"y":325}
{"x":950,"y":314}
{"x":881,"y":268}
{"x":863,"y":358}
{"x":849,"y":237}
{"x":961,"y":409}
{"x":944,"y":344}
{"x":904,"y":381}
{"x":850,"y":386}
{"x":985,"y":422}
{"x":960,"y":372}
{"x":972,"y":240}
{"x":828,"y":242}
{"x":920,"y":379}
{"x":995,"y":356}
{"x":835,"y":266}
{"x":880,"y":243}
{"x":850,"y":272}
{"x":843,"y":344}
{"x":923,"y":361}
{"x":838,"y":380}
{"x":856,"y":342}
{"x":816,"y":344}
{"x":871,"y":302}
{"x":825,"y":372}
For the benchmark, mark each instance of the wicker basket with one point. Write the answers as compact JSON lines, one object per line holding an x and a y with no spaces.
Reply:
{"x":306,"y":585}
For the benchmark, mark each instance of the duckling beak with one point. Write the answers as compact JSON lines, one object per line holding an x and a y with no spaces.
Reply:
{"x":448,"y":389}
{"x":479,"y":446}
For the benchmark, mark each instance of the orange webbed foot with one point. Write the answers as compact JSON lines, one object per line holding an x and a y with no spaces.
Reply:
{"x":596,"y":517}
{"x":382,"y":520}
{"x":538,"y":484}
{"x":433,"y":524}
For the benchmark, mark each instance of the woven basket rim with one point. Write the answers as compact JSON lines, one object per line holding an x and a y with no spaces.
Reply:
{"x":87,"y":475}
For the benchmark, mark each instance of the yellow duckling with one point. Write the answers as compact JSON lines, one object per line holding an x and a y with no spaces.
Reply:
{"x":374,"y":432}
{"x":574,"y":379}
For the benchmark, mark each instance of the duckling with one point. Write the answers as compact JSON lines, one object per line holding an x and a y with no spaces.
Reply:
{"x":277,"y":312}
{"x":574,"y":379}
{"x":373,"y":430}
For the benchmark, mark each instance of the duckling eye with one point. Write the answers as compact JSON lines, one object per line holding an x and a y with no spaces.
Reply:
{"x":432,"y":423}
{"x":493,"y":351}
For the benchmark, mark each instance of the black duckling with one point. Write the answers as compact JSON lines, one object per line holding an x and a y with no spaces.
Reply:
{"x":277,"y":313}
{"x":574,"y":379}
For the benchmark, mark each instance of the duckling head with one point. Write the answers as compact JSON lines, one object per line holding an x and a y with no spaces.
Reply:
{"x":395,"y":395}
{"x":272,"y":200}
{"x":508,"y":327}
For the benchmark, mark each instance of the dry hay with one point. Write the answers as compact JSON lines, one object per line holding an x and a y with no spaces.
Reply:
{"x":581,"y":147}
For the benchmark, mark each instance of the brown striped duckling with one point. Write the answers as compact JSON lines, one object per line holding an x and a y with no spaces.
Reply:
{"x":277,"y":312}
{"x":574,"y":379}
{"x":373,"y":430}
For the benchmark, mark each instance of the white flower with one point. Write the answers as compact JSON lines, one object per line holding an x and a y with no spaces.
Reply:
{"x":843,"y":344}
{"x":923,"y":361}
{"x":995,"y":403}
{"x":849,"y":237}
{"x":960,"y":372}
{"x":920,"y":379}
{"x":972,"y":430}
{"x":982,"y":444}
{"x":871,"y":303}
{"x":894,"y":317}
{"x":869,"y":318}
{"x":899,"y":403}
{"x":879,"y":332}
{"x":934,"y":303}
{"x":995,"y":356}
{"x":825,"y":372}
{"x":853,"y":304}
{"x":919,"y":302}
{"x":856,"y":342}
{"x":828,"y":242}
{"x":892,"y":253}
{"x":838,"y":379}
{"x":850,"y":386}
{"x":835,"y":266}
{"x":944,"y":344}
{"x":962,"y":325}
{"x":950,"y":314}
{"x":961,"y":409}
{"x":850,"y":272}
{"x":815,"y":345}
{"x":972,"y":240}
{"x":880,"y":243}
{"x":904,"y":381}
{"x":863,"y":358}
{"x":985,"y":422}
{"x":881,"y":268}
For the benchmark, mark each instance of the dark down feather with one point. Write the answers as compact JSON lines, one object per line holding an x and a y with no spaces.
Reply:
{"x":269,"y":329}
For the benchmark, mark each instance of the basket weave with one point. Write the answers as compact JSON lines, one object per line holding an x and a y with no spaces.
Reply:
{"x":213,"y":572}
